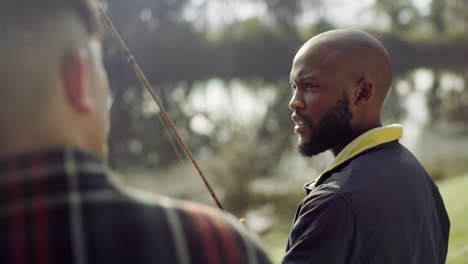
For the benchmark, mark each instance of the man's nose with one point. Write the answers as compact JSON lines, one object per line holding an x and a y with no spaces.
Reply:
{"x":297,"y":101}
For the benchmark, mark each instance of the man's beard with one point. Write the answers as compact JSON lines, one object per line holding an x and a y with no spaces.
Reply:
{"x":332,"y":130}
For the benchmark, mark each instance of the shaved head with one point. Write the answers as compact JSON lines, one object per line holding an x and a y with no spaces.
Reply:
{"x":37,"y":36}
{"x":53,"y":87}
{"x":340,"y":80}
{"x":362,"y":54}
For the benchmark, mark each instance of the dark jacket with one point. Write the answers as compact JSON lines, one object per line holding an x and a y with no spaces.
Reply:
{"x":380,"y":206}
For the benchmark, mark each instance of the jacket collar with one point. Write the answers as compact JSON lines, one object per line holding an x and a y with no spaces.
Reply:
{"x":367,"y":140}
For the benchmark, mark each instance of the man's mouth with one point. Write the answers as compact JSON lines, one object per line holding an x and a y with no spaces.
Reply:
{"x":300,"y":124}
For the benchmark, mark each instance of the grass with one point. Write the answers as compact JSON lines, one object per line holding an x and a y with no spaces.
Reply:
{"x":455,"y":194}
{"x":275,"y":241}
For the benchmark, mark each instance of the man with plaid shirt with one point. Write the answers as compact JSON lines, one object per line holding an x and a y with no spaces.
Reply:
{"x":58,"y":204}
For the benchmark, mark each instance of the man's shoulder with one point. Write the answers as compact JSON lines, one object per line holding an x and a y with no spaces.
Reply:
{"x":364,"y":175}
{"x":385,"y":159}
{"x":377,"y":180}
{"x":388,"y":155}
{"x":152,"y":203}
{"x":133,"y":205}
{"x":191,"y":230}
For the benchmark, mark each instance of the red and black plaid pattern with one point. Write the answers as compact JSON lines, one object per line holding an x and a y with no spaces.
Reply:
{"x":58,"y":206}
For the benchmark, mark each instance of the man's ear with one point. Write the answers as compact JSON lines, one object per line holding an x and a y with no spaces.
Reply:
{"x":76,"y":83}
{"x":364,"y":91}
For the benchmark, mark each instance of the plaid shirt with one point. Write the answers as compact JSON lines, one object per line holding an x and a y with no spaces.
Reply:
{"x":59,"y":207}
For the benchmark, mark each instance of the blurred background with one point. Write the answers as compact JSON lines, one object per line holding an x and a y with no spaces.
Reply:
{"x":221,"y":68}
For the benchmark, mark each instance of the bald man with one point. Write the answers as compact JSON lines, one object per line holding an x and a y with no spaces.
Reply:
{"x":58,"y":203}
{"x":375,"y":203}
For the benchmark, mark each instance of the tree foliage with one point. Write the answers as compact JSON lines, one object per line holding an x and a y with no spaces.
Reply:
{"x":178,"y":57}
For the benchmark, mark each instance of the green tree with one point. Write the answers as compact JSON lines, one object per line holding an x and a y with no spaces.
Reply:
{"x":402,"y":13}
{"x":437,"y":15}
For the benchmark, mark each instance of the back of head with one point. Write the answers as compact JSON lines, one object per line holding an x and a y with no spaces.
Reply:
{"x":37,"y":37}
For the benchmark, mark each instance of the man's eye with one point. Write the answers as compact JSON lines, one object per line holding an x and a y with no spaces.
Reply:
{"x":310,"y":86}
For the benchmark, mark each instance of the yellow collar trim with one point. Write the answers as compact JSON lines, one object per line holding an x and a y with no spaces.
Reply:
{"x":369,"y":139}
